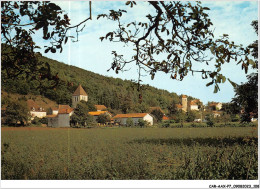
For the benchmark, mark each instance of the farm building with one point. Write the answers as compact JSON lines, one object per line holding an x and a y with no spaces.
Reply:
{"x":62,"y":119}
{"x":121,"y":118}
{"x":60,"y":116}
{"x":35,"y":110}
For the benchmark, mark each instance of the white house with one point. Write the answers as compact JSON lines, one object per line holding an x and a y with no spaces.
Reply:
{"x":121,"y":118}
{"x":194,"y":104}
{"x":35,"y":110}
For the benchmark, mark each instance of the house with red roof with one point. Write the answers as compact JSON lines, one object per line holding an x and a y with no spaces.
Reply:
{"x":194,"y":104}
{"x":100,"y":107}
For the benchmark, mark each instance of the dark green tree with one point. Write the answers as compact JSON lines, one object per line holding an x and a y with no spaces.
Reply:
{"x":157,"y":114}
{"x":190,"y":116}
{"x":17,"y":111}
{"x":246,"y":96}
{"x":129,"y":122}
{"x":103,"y":118}
{"x":80,"y":116}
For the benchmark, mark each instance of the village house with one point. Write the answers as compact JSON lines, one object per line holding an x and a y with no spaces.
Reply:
{"x":62,"y":119}
{"x":35,"y":110}
{"x":97,"y":113}
{"x":121,"y":118}
{"x":194,"y":104}
{"x":216,"y":114}
{"x":215,"y":105}
{"x":100,"y":107}
{"x":61,"y":116}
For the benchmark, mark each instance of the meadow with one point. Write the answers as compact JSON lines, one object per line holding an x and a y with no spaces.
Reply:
{"x":130,"y":153}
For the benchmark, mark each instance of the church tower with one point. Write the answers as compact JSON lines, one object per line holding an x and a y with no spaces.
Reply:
{"x":78,"y":95}
{"x":184,"y":102}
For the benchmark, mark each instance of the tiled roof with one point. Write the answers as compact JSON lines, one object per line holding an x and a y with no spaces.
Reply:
{"x":32,"y":104}
{"x":65,"y":111}
{"x":64,"y":107}
{"x":194,"y":102}
{"x":97,"y":113}
{"x":54,"y":108}
{"x":178,"y":106}
{"x":100,"y":107}
{"x":51,"y":116}
{"x":133,"y":115}
{"x":183,"y":96}
{"x":79,"y":91}
{"x":165,"y":118}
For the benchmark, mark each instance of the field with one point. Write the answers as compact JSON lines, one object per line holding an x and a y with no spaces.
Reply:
{"x":130,"y":153}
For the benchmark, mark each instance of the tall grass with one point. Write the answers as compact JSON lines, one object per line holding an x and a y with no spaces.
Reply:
{"x":130,"y":153}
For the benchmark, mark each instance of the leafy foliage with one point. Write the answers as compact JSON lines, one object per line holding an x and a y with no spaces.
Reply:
{"x":17,"y":111}
{"x":247,"y":97}
{"x":158,"y":115}
{"x":103,"y":118}
{"x":80,"y":116}
{"x":172,"y":40}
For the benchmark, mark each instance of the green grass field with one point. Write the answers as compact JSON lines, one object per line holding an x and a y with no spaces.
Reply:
{"x":130,"y":153}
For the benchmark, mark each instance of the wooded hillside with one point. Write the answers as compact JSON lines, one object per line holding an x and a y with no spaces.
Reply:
{"x":116,"y":94}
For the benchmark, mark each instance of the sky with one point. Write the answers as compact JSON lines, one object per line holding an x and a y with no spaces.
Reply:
{"x":229,"y":17}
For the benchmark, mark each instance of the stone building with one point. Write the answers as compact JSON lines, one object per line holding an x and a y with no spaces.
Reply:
{"x":78,"y":95}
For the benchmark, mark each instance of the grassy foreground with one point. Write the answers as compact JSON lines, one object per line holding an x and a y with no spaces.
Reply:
{"x":130,"y":153}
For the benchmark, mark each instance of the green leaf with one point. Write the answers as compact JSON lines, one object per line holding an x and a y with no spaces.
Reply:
{"x":212,"y":49}
{"x":223,"y":79}
{"x":53,"y":50}
{"x":210,"y":83}
{"x":66,"y":39}
{"x":252,"y":62}
{"x":232,"y":83}
{"x":215,"y":89}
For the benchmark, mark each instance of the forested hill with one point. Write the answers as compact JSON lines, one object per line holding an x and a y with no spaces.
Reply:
{"x":117,"y":94}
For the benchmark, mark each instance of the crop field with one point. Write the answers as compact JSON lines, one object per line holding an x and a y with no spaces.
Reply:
{"x":130,"y":153}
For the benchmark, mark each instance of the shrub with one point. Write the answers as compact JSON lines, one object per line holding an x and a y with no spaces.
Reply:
{"x":129,"y":122}
{"x":142,"y":123}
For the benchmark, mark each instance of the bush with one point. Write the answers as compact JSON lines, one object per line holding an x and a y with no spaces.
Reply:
{"x":210,"y":121}
{"x":142,"y":123}
{"x":166,"y":124}
{"x":44,"y":120}
{"x":36,"y":121}
{"x":129,"y":122}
